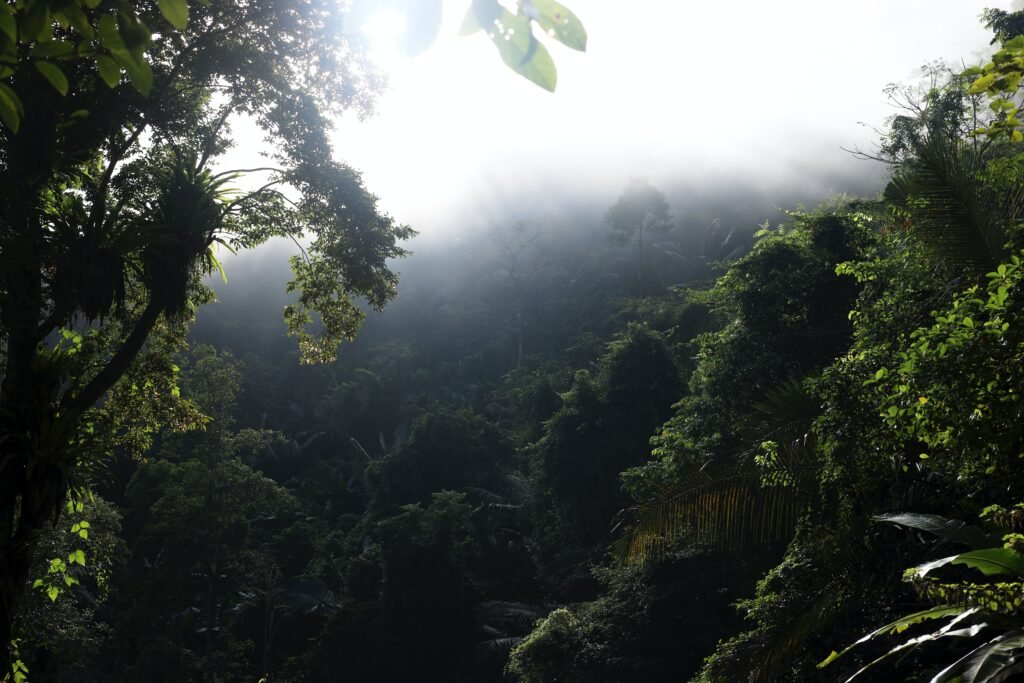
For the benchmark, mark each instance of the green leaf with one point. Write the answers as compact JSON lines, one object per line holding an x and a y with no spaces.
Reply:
{"x":558,"y":21}
{"x":135,"y":34}
{"x":174,"y":11}
{"x":1016,"y":43}
{"x":949,"y":529}
{"x":982,"y":84}
{"x":52,"y":592}
{"x":109,"y":71}
{"x":139,"y":72}
{"x":36,"y":25}
{"x":521,"y":51}
{"x":487,"y":13}
{"x":988,"y":662}
{"x":54,"y":75}
{"x":899,"y":626}
{"x":11,"y":109}
{"x":470,"y":23}
{"x":912,"y":644}
{"x":73,"y":15}
{"x":920,"y":571}
{"x":993,"y":561}
{"x":8,"y":25}
{"x":53,"y":48}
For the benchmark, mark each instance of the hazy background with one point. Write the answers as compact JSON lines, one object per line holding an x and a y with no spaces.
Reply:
{"x":743,"y":93}
{"x":736,"y":110}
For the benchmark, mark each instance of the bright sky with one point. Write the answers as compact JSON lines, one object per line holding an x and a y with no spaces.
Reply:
{"x":669,"y":89}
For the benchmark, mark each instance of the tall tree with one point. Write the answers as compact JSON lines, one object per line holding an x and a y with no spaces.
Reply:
{"x":109,"y":211}
{"x":641,"y":208}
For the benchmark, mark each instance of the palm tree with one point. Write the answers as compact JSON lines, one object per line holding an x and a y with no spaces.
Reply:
{"x":944,"y":197}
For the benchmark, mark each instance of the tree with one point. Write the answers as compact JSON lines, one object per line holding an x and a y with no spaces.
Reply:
{"x":641,"y":208}
{"x":110,"y":211}
{"x":601,"y":429}
{"x":520,"y":255}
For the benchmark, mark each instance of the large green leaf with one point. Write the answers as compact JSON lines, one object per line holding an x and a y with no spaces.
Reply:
{"x":174,"y":11}
{"x":108,"y":69}
{"x":899,"y":626}
{"x":946,"y":631}
{"x":521,"y":51}
{"x":8,"y":25}
{"x":133,"y":61}
{"x":470,"y":23}
{"x":993,"y":561}
{"x":51,"y":49}
{"x":134,"y":32}
{"x":139,"y":72}
{"x":949,"y":529}
{"x":53,"y":74}
{"x":558,"y":21}
{"x":11,"y":109}
{"x":72,"y":15}
{"x":921,"y":570}
{"x":988,"y":663}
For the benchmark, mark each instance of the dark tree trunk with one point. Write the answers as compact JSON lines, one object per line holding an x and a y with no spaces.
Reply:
{"x":640,"y":260}
{"x":27,"y":479}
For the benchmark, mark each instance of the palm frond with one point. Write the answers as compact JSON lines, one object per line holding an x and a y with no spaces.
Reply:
{"x":498,"y":646}
{"x":756,"y":499}
{"x":964,"y":220}
{"x":510,"y":616}
{"x":763,"y":654}
{"x":784,"y":415}
{"x":724,"y":506}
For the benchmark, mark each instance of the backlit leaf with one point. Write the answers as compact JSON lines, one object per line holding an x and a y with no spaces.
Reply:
{"x":53,"y":74}
{"x":174,"y":11}
{"x":559,"y":22}
{"x":108,"y":69}
{"x":993,"y":561}
{"x":11,"y":109}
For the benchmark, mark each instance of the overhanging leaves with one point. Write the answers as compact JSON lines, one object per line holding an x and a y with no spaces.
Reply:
{"x":952,"y":530}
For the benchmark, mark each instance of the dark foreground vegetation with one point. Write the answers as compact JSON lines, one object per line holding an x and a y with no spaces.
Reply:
{"x":675,"y":444}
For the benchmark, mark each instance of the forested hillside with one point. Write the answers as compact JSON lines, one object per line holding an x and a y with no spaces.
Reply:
{"x":675,"y":434}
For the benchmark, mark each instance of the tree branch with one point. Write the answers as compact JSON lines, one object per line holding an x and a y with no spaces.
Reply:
{"x":118,"y":365}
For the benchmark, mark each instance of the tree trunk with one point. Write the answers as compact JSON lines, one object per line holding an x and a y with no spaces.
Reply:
{"x":28,"y":481}
{"x":640,"y":259}
{"x":211,"y":623}
{"x":519,"y":336}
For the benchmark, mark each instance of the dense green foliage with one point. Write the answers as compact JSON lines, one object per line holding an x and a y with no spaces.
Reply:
{"x":700,"y":450}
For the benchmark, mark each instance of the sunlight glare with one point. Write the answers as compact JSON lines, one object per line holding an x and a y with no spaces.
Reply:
{"x":385,"y":31}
